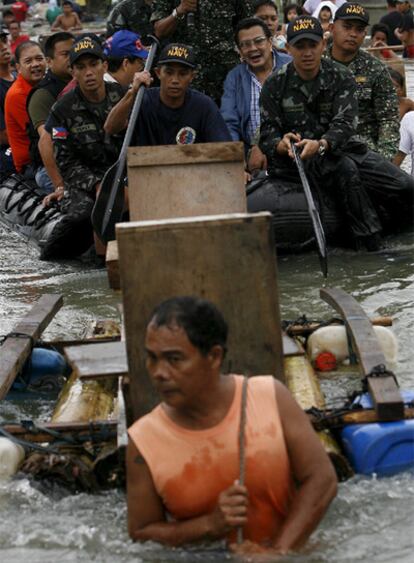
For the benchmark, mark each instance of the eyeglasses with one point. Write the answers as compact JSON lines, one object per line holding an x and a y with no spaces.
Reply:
{"x":257,"y":42}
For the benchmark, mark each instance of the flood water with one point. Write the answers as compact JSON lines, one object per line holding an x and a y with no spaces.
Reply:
{"x":371,"y":520}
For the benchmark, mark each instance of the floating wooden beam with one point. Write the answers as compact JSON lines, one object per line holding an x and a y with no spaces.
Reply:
{"x":384,"y":389}
{"x":16,"y":349}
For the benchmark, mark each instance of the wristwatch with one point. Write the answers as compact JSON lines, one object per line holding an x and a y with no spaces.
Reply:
{"x":176,"y":15}
{"x":322,"y":148}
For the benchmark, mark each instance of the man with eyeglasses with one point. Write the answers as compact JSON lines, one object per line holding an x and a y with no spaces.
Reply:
{"x":242,"y":87}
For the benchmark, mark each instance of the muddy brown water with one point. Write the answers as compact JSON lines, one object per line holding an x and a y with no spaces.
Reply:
{"x":371,"y":520}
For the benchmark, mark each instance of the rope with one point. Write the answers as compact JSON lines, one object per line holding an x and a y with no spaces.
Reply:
{"x":242,"y":456}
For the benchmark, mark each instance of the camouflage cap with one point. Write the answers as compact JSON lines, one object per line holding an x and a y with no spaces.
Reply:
{"x":85,"y":46}
{"x":177,"y":53}
{"x":304,"y":27}
{"x":352,"y":11}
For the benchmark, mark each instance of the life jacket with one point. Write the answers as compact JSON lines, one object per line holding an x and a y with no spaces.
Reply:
{"x":54,"y":86}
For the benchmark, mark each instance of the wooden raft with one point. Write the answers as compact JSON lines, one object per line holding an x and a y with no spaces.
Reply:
{"x":384,"y":390}
{"x":17,"y":348}
{"x":98,"y":361}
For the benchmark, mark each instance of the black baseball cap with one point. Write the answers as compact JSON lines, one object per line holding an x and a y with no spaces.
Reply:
{"x":85,"y":46}
{"x":178,"y":53}
{"x":304,"y":27}
{"x":352,"y":11}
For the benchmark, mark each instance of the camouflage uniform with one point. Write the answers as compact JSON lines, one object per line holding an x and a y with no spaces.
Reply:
{"x":82,"y":149}
{"x":324,"y":108}
{"x":130,"y":14}
{"x":213,"y":41}
{"x":378,"y":118}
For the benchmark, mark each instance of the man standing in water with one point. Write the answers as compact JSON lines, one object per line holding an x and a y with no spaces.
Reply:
{"x":183,"y":456}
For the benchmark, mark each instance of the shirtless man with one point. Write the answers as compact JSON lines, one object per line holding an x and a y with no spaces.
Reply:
{"x":183,"y":456}
{"x":69,"y":20}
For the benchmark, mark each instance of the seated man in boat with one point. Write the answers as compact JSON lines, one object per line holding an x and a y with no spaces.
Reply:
{"x":39,"y":103}
{"x":173,"y":113}
{"x":312,"y":102}
{"x":83,"y":151}
{"x":31,"y":67}
{"x":7,"y":77}
{"x":183,"y":457}
{"x":378,"y":121}
{"x":243,"y":84}
{"x":125,"y":56}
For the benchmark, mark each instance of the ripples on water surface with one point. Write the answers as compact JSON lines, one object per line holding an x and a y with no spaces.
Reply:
{"x":371,"y":520}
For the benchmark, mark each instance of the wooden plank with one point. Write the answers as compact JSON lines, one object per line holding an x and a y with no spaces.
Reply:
{"x":98,"y":361}
{"x":384,"y":390}
{"x":15,"y":350}
{"x":197,"y":153}
{"x":67,"y":429}
{"x":227,"y":259}
{"x":112,"y":265}
{"x":186,"y":181}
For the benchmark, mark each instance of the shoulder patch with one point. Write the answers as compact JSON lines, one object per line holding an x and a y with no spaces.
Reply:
{"x":59,"y":133}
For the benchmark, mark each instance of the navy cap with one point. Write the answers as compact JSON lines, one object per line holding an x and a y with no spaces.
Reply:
{"x":85,"y":46}
{"x":352,"y":11}
{"x":177,"y":53}
{"x":304,"y":27}
{"x":125,"y":43}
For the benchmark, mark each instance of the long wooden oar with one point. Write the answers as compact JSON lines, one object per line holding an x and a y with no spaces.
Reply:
{"x":313,"y":212}
{"x":110,"y":200}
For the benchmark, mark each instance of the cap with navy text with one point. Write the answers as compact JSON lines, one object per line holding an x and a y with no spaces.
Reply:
{"x":352,"y":11}
{"x":85,"y":46}
{"x":304,"y":27}
{"x":178,"y":53}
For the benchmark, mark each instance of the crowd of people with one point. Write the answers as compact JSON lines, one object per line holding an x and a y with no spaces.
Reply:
{"x":226,"y":71}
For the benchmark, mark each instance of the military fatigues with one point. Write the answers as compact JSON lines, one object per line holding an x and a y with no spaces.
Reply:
{"x":378,"y":118}
{"x":82,"y":149}
{"x":212,"y":38}
{"x":130,"y":14}
{"x":326,"y":108}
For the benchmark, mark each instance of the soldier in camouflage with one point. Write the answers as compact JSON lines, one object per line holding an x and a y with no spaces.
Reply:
{"x":312,"y":102}
{"x":211,"y":35}
{"x":378,"y":119}
{"x":83,"y":150}
{"x":130,"y":14}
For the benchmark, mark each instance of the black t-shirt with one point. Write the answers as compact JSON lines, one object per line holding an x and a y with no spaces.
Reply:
{"x":392,"y":20}
{"x":198,"y":120}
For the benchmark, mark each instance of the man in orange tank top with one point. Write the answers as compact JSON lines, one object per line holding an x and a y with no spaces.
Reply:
{"x":183,"y":457}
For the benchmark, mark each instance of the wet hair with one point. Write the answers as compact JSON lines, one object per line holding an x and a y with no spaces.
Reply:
{"x":20,"y":48}
{"x":392,"y":3}
{"x":114,"y":63}
{"x":247,"y":23}
{"x":383,"y":28}
{"x":397,"y":76}
{"x":259,"y":3}
{"x":50,"y":44}
{"x":202,"y":322}
{"x":67,"y":3}
{"x":291,"y":7}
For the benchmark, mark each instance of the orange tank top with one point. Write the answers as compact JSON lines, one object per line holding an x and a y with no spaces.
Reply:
{"x":190,"y":468}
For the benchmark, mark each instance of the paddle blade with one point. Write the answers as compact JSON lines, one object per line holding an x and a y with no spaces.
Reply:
{"x":109,"y":204}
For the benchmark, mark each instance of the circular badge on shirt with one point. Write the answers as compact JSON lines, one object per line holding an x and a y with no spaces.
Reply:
{"x":186,"y":136}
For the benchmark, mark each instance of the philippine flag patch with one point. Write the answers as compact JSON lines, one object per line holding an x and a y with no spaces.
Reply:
{"x":59,"y":133}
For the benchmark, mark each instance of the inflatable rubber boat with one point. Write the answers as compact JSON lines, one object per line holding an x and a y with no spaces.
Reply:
{"x":54,"y":233}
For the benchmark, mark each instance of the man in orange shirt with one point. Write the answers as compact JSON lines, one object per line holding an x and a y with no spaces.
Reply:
{"x":16,"y":38}
{"x":31,"y":67}
{"x":183,"y":457}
